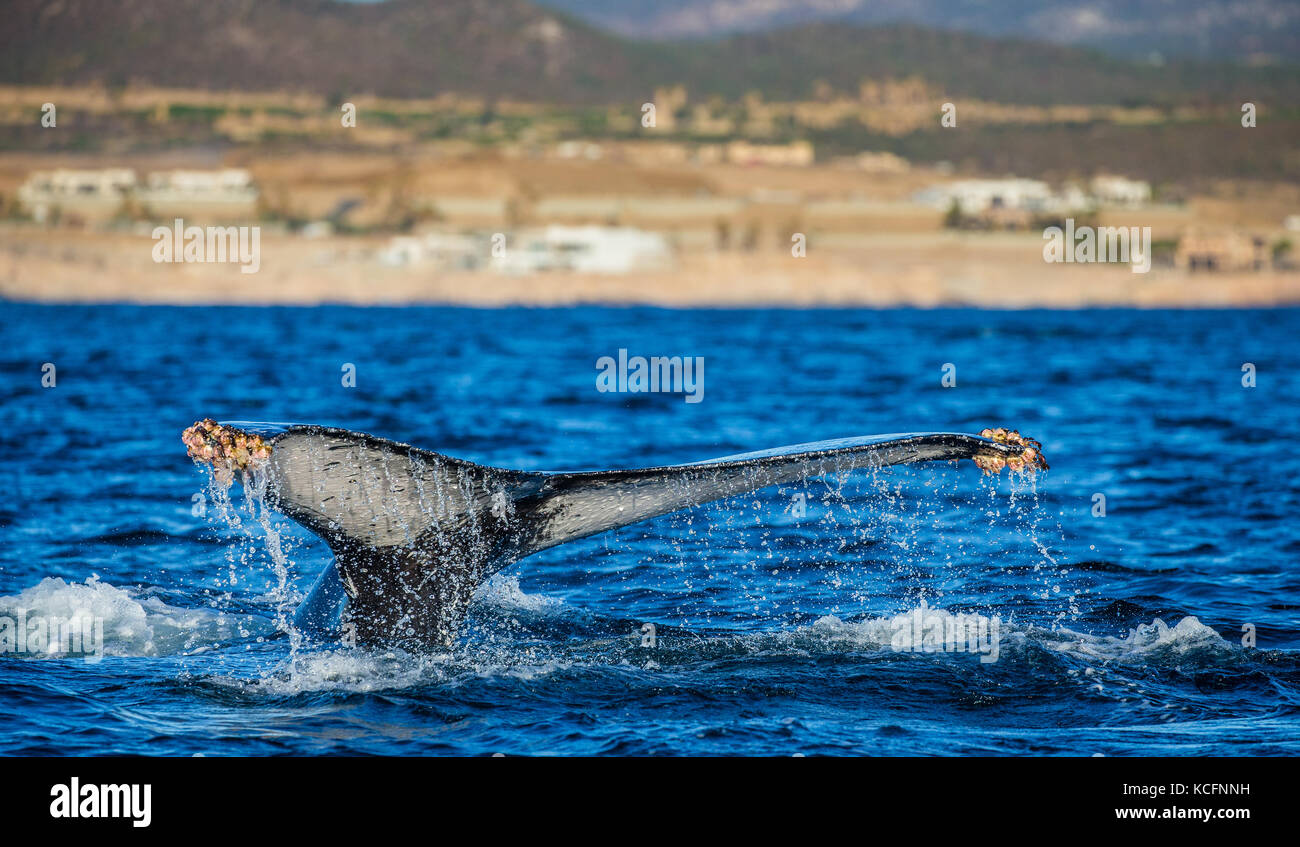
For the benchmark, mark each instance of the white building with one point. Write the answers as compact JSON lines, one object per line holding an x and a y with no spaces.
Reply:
{"x":221,"y":182}
{"x":1120,"y":191}
{"x":978,"y":195}
{"x":90,"y":194}
{"x":98,"y":195}
{"x":584,"y":249}
{"x":441,"y":250}
{"x":228,"y":192}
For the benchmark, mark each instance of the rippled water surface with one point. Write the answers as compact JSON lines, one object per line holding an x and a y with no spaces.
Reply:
{"x":781,"y":619}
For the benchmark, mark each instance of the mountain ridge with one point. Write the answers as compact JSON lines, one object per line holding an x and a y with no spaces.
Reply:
{"x":516,"y":49}
{"x":1235,"y":30}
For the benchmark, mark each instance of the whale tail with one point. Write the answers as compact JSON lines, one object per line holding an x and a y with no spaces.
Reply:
{"x":414,"y":532}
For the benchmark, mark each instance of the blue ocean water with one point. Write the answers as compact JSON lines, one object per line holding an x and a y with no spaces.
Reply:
{"x":1167,"y":624}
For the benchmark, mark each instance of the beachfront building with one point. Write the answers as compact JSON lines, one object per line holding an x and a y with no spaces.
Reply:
{"x":1220,"y":251}
{"x":438,"y":250}
{"x":976,"y":196}
{"x":1120,"y":191}
{"x":81,"y":196}
{"x":584,"y":249}
{"x":228,"y":193}
{"x":95,"y":196}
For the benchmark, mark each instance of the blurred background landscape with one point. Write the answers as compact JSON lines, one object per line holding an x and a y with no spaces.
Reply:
{"x":501,"y":152}
{"x":800,"y":155}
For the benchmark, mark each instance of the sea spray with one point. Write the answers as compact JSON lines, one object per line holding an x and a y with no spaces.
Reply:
{"x":244,"y":555}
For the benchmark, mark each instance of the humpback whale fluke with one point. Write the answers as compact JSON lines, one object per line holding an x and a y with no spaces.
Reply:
{"x":414,"y":533}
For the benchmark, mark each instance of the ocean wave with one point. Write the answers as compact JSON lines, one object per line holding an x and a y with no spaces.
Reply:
{"x":111,"y":621}
{"x":1144,"y":642}
{"x":922,"y":631}
{"x":134,"y":624}
{"x":929,"y":630}
{"x":364,"y":671}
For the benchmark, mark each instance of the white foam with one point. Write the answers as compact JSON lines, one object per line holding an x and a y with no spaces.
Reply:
{"x":869,"y":633}
{"x":363,"y":670}
{"x":131,"y":626}
{"x":503,"y":591}
{"x":347,"y":670}
{"x":1144,"y":641}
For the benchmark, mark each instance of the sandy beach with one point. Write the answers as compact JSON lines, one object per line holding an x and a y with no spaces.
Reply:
{"x":927,"y":270}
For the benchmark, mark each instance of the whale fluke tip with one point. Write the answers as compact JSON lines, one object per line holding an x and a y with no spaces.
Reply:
{"x":1030,"y":457}
{"x":226,"y":448}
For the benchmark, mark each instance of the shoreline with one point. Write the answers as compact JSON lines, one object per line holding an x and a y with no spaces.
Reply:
{"x":688,"y":307}
{"x":939,"y":271}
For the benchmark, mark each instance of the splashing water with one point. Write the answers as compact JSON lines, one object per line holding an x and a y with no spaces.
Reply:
{"x":763,"y":624}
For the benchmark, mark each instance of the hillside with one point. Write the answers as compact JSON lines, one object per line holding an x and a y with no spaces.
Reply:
{"x":401,"y":49}
{"x":1225,"y":30}
{"x":515,"y":49}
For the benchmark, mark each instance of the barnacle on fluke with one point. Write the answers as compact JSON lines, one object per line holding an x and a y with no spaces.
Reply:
{"x":224,"y":447}
{"x":1030,"y":457}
